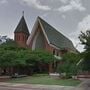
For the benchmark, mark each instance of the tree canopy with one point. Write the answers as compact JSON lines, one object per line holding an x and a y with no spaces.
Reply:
{"x":69,"y":65}
{"x":12,"y":55}
{"x":85,"y":40}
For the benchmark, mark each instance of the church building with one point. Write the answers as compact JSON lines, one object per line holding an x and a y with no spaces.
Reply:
{"x":43,"y":36}
{"x":21,"y":33}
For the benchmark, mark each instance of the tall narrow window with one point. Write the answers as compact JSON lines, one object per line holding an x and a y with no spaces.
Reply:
{"x":18,"y":37}
{"x":57,"y":54}
{"x":23,"y":38}
{"x":54,"y":52}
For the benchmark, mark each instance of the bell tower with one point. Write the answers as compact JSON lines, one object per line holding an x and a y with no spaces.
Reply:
{"x":21,"y":32}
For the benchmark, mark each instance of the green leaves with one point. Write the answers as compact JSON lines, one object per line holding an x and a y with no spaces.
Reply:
{"x":69,"y":65}
{"x":85,"y":40}
{"x":7,"y":58}
{"x":71,"y":57}
{"x":40,"y":56}
{"x":12,"y":55}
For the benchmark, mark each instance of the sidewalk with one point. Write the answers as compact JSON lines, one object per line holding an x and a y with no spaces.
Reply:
{"x":39,"y":87}
{"x":85,"y":85}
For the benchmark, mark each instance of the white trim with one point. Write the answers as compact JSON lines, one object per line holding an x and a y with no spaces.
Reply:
{"x":54,"y":46}
{"x":34,"y":41}
{"x":44,"y":32}
{"x":47,"y":37}
{"x":32,"y":33}
{"x":57,"y":57}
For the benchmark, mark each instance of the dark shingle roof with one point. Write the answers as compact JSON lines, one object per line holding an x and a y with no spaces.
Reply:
{"x":22,"y":27}
{"x":55,"y":37}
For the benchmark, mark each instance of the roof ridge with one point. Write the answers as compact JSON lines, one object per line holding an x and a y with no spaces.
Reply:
{"x":53,"y":28}
{"x":55,"y":37}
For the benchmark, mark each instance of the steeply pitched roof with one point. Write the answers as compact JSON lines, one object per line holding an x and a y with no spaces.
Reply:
{"x":22,"y":27}
{"x":55,"y":37}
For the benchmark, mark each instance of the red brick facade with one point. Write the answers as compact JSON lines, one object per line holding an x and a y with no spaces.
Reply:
{"x":47,"y":47}
{"x":20,"y":39}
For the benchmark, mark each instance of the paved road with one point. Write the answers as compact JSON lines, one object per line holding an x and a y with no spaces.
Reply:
{"x":50,"y":88}
{"x":14,"y":88}
{"x":19,"y":88}
{"x":10,"y":86}
{"x":85,"y":85}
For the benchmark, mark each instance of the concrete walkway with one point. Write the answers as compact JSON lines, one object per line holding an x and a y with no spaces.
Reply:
{"x":85,"y":85}
{"x":36,"y":86}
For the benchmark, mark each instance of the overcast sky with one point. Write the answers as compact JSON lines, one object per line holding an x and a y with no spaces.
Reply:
{"x":67,"y":16}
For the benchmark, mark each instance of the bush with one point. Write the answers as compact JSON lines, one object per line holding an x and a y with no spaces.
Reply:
{"x":69,"y":65}
{"x":68,"y":69}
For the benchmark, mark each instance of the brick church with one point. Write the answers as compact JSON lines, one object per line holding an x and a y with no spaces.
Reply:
{"x":43,"y":36}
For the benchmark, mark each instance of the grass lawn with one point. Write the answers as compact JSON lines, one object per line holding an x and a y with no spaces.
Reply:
{"x":45,"y":80}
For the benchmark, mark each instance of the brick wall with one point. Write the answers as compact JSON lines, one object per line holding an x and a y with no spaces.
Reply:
{"x":47,"y":46}
{"x":21,"y":39}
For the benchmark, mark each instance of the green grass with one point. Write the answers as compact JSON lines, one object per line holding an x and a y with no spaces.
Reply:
{"x":45,"y":80}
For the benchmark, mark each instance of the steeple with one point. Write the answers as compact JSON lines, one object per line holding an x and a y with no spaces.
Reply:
{"x":22,"y":26}
{"x":21,"y":32}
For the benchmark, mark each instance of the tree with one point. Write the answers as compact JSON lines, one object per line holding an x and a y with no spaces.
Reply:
{"x":9,"y":44}
{"x":7,"y":60}
{"x":85,"y":40}
{"x":39,"y":59}
{"x":11,"y":55}
{"x":69,"y":65}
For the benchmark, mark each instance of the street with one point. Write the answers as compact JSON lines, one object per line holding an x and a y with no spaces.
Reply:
{"x":85,"y":85}
{"x":14,"y":88}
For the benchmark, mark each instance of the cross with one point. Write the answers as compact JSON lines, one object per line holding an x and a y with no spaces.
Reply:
{"x":23,"y":13}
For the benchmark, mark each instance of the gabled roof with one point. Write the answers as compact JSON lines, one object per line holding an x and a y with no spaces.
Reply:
{"x":53,"y":36}
{"x":22,"y":27}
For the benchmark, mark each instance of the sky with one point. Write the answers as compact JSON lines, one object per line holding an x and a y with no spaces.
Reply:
{"x":69,"y":17}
